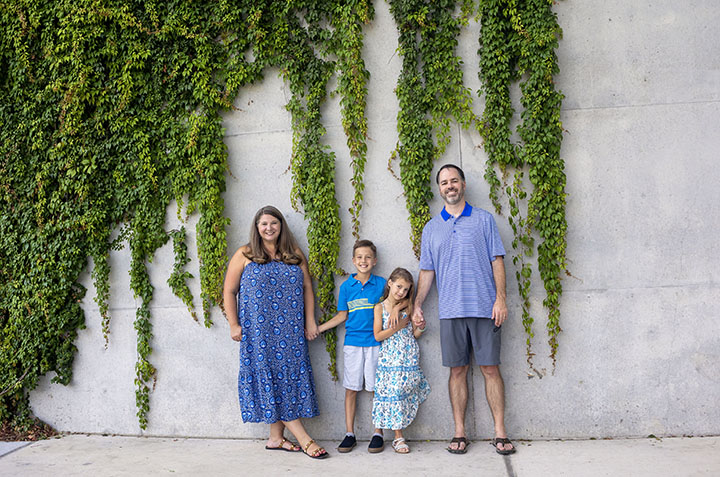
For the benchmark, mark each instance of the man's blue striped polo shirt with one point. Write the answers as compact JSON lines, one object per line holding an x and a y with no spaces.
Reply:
{"x":461,"y":250}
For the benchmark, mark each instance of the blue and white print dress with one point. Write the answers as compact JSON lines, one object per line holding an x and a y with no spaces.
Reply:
{"x":400,"y":385}
{"x":275,"y":382}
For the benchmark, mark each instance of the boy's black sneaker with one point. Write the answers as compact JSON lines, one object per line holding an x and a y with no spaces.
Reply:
{"x":377,"y":444}
{"x":347,"y":444}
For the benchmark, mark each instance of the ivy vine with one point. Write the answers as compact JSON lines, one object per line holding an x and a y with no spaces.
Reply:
{"x":430,"y":91}
{"x":517,"y":43}
{"x":179,"y":275}
{"x":111,"y":111}
{"x":348,"y":19}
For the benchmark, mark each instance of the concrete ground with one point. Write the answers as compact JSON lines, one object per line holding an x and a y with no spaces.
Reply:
{"x":95,"y":455}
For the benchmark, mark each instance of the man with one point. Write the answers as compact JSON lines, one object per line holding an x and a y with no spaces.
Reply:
{"x":462,"y":248}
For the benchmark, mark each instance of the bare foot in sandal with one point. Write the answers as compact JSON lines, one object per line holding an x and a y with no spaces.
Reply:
{"x":400,"y":446}
{"x":314,"y":451}
{"x":458,"y":445}
{"x":284,"y":445}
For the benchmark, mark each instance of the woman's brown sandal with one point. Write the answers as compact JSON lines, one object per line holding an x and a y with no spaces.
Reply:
{"x":319,"y":453}
{"x":293,"y":447}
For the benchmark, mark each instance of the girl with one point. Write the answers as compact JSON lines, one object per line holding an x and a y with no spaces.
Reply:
{"x":400,"y":385}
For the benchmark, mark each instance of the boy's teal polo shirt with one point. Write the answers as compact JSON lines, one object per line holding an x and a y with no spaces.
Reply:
{"x":359,"y":301}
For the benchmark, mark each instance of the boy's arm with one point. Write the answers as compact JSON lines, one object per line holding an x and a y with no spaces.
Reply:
{"x":340,"y":317}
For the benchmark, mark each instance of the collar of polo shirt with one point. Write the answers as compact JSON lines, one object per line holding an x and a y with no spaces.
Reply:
{"x":466,"y":212}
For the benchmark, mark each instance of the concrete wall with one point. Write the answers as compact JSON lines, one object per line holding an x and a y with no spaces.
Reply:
{"x":640,"y":348}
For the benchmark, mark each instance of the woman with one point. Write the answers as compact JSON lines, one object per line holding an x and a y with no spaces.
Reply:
{"x":272,"y":316}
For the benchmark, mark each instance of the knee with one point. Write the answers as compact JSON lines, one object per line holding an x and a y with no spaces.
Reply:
{"x":490,"y":372}
{"x":459,"y":372}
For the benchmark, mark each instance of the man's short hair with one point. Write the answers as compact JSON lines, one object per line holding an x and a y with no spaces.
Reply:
{"x":365,"y":243}
{"x":449,"y":166}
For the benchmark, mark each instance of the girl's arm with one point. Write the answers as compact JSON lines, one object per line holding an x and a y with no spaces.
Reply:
{"x":382,"y":335}
{"x":417,"y":331}
{"x":377,"y":321}
{"x":230,"y":290}
{"x":311,"y":327}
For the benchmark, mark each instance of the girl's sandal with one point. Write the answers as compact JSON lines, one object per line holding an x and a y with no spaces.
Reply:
{"x":400,"y":446}
{"x":319,"y":453}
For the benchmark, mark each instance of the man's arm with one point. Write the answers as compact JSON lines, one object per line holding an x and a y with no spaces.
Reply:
{"x":499,"y":311}
{"x":425,"y":279}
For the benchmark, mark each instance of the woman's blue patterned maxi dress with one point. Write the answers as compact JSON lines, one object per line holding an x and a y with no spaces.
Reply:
{"x":275,"y":382}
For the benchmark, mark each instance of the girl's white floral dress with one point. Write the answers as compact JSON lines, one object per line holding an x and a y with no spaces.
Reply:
{"x":400,"y":385}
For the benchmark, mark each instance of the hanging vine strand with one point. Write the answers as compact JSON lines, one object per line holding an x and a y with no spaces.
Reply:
{"x":518,"y":40}
{"x":430,"y":91}
{"x":348,"y":19}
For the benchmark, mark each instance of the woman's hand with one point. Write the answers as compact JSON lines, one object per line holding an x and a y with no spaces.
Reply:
{"x":311,"y":331}
{"x":236,"y":332}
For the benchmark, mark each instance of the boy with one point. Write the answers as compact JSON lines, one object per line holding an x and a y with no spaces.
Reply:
{"x":356,"y":300}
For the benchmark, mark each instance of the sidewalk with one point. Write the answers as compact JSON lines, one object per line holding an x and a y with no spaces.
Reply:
{"x":81,"y":455}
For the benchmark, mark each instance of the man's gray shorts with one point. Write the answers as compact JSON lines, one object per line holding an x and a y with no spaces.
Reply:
{"x":461,"y":337}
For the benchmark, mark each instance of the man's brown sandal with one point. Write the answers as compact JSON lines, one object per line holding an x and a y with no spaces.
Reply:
{"x":458,"y":441}
{"x":502,"y":440}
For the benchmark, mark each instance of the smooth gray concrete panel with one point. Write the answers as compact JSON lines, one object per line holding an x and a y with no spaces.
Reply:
{"x":646,"y":198}
{"x":629,"y":54}
{"x":95,"y":400}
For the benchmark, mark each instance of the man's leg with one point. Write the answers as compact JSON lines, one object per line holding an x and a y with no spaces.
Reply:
{"x":458,"y":390}
{"x":495,"y":394}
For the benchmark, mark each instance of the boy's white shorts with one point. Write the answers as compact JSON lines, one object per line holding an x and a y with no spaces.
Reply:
{"x":360,"y":362}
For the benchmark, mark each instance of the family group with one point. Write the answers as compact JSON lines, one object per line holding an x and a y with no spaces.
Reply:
{"x":269,"y":304}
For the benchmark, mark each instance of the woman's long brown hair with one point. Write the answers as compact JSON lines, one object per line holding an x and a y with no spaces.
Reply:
{"x":286,"y":243}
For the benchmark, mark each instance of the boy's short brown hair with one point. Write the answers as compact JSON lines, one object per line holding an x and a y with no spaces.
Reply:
{"x":365,"y":243}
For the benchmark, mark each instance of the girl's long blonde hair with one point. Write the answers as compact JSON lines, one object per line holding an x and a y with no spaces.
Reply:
{"x":286,"y":244}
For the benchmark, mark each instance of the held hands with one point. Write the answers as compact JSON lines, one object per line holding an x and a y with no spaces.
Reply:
{"x":418,"y":318}
{"x":311,"y":331}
